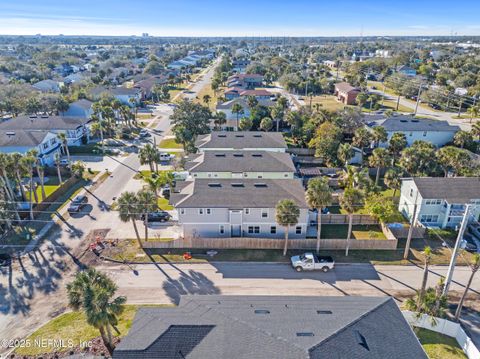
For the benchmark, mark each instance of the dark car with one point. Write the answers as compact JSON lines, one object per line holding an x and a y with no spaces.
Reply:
{"x":77,"y":203}
{"x":471,"y":245}
{"x":159,"y":216}
{"x":166,"y":192}
{"x":5,"y":260}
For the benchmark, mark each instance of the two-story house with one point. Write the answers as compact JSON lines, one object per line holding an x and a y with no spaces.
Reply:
{"x":441,"y":201}
{"x":19,"y":140}
{"x":80,"y":108}
{"x":246,"y":81}
{"x":237,"y":207}
{"x":346,"y":93}
{"x":437,"y":132}
{"x":241,"y":164}
{"x":241,"y":140}
{"x":76,"y":129}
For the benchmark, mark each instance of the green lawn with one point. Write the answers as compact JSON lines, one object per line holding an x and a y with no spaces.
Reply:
{"x":328,"y":102}
{"x":340,"y":231}
{"x":170,"y":143}
{"x":163,"y":204}
{"x":73,"y":326}
{"x":439,"y":346}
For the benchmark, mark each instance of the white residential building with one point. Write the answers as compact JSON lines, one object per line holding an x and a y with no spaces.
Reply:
{"x":242,"y":140}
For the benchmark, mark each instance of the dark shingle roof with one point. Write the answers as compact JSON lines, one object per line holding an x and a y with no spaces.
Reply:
{"x":46,"y":123}
{"x":242,"y":139}
{"x":346,"y":87}
{"x":240,"y":193}
{"x":241,"y":161}
{"x":228,"y":327}
{"x":85,"y":104}
{"x":22,"y":138}
{"x":452,"y":189}
{"x":410,"y":123}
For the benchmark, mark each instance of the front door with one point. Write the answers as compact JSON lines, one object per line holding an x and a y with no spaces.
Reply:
{"x":236,"y":223}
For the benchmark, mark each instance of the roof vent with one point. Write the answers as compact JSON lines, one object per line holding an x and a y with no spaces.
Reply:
{"x":305,"y":334}
{"x":10,"y":133}
{"x":415,"y":120}
{"x":222,"y":135}
{"x":33,"y":116}
{"x":220,"y":155}
{"x":238,"y":155}
{"x":214,"y":185}
{"x":324,"y":312}
{"x":260,"y":185}
{"x":262,"y":311}
{"x":257,"y":155}
{"x":257,"y":135}
{"x":403,"y":120}
{"x":238,"y":184}
{"x":239,"y":136}
{"x":361,"y":340}
{"x":44,"y":116}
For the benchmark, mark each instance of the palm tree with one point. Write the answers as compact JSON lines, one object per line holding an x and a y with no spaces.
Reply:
{"x":362,"y":98}
{"x":462,"y":138}
{"x":245,"y":124}
{"x":206,"y":99}
{"x":277,"y":113}
{"x":397,"y":143}
{"x":237,"y":109}
{"x":147,"y":201}
{"x":427,"y":256}
{"x":41,"y":175}
{"x":362,"y":138}
{"x":474,"y":112}
{"x":318,"y":196}
{"x":476,"y":129}
{"x":286,"y":215}
{"x":379,"y":158}
{"x":379,"y":135}
{"x":57,"y":164}
{"x":345,"y":153}
{"x":474,"y":266}
{"x":252,"y":101}
{"x":392,"y":179}
{"x":128,"y":210}
{"x":433,"y":303}
{"x":93,"y":293}
{"x":266,"y":124}
{"x":19,"y":170}
{"x":149,"y":155}
{"x":350,"y":200}
{"x":63,"y":140}
{"x":29,"y":162}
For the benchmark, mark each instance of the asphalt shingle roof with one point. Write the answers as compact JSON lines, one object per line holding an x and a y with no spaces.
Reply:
{"x":219,"y":326}
{"x":346,"y":87}
{"x":409,"y":123}
{"x":239,"y":193}
{"x":452,"y":189}
{"x":46,"y":123}
{"x":22,"y":138}
{"x":242,"y":139}
{"x":241,"y":161}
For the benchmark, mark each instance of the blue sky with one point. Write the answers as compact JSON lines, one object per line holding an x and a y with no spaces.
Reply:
{"x":241,"y":17}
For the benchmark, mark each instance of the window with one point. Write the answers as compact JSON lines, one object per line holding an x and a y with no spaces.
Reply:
{"x":433,"y":201}
{"x":247,"y":210}
{"x":182,"y":211}
{"x":209,"y":211}
{"x":429,"y":218}
{"x":45,"y":146}
{"x":52,"y":141}
{"x":264,"y":213}
{"x":285,"y":175}
{"x":424,"y":133}
{"x":200,"y":211}
{"x":298,"y":230}
{"x":273,"y":230}
{"x":411,"y":192}
{"x":253,"y":229}
{"x":221,"y":229}
{"x":411,"y":134}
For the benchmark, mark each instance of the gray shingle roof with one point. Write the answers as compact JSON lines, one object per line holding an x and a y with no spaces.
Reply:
{"x":239,"y":193}
{"x":45,"y":123}
{"x":241,"y":139}
{"x":452,"y":189}
{"x":124,"y":91}
{"x":22,"y":138}
{"x":83,"y":103}
{"x":241,"y":161}
{"x":346,"y":87}
{"x":409,"y":123}
{"x":228,"y":327}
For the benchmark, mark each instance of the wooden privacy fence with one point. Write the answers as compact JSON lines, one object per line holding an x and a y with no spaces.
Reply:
{"x":267,"y":243}
{"x":38,"y":208}
{"x":343,"y":219}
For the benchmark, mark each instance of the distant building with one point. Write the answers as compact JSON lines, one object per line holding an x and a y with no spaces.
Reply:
{"x":383,"y":53}
{"x":245,"y":81}
{"x":81,"y":108}
{"x":288,"y":327}
{"x":330,"y":64}
{"x":242,"y":140}
{"x":346,"y":93}
{"x":235,"y":92}
{"x":227,"y":107}
{"x":48,"y":86}
{"x":441,"y":201}
{"x":437,"y":132}
{"x":407,"y":70}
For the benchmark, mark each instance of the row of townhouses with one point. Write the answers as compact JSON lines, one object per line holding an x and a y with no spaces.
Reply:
{"x":236,"y":180}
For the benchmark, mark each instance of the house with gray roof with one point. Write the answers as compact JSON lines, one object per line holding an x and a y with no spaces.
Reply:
{"x":437,"y":132}
{"x":81,"y":108}
{"x":20,"y":140}
{"x":441,"y":201}
{"x":76,"y":129}
{"x":48,"y":86}
{"x":294,"y":327}
{"x":227,"y":107}
{"x":241,"y":164}
{"x":237,"y":207}
{"x":242,"y":140}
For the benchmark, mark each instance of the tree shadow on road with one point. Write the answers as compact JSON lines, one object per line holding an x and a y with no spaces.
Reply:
{"x":192,"y":282}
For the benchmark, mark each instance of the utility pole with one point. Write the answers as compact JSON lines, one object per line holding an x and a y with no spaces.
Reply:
{"x":460,"y":108}
{"x":453,"y":260}
{"x":418,"y":99}
{"x":410,"y":230}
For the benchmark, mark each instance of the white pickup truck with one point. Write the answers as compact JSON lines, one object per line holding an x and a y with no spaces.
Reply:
{"x":310,"y":261}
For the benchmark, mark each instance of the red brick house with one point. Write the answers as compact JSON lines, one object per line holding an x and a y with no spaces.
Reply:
{"x":346,"y":93}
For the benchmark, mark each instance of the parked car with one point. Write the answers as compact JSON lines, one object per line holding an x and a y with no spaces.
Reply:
{"x":64,"y":162}
{"x":474,"y":229}
{"x":144,"y":133}
{"x":165,"y":156}
{"x":471,"y":245}
{"x":77,"y":204}
{"x":166,"y":192}
{"x":310,"y":261}
{"x":158,"y":216}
